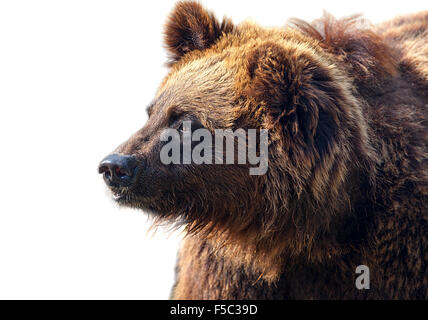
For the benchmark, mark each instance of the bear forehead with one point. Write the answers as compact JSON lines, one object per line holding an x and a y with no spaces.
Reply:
{"x":200,"y":87}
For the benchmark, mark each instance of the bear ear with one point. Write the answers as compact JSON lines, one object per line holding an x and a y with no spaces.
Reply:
{"x":299,"y":94}
{"x":190,"y":27}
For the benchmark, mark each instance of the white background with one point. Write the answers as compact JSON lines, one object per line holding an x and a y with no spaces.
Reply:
{"x":75,"y":77}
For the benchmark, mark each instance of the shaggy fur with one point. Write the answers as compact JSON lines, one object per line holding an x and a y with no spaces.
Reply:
{"x":346,"y":108}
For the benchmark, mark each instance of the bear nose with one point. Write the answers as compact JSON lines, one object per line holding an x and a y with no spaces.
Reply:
{"x":119,"y":170}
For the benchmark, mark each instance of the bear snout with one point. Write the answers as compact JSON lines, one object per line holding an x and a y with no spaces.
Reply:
{"x":119,"y":170}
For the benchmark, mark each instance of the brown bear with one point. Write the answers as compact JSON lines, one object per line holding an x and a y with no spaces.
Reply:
{"x":346,"y":190}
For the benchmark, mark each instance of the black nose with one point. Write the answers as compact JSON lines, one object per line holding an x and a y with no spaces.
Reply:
{"x":119,"y":170}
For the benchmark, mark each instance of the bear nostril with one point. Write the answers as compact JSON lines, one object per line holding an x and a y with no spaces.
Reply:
{"x":120,"y":172}
{"x":105,"y":170}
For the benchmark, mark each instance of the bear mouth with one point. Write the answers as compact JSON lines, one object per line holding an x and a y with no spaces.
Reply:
{"x":127,"y":198}
{"x":121,"y":196}
{"x":118,"y":197}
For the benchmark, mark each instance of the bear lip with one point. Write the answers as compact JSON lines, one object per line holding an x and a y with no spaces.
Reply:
{"x":117,"y":196}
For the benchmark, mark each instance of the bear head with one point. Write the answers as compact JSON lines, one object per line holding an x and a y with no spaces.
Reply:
{"x":226,"y":76}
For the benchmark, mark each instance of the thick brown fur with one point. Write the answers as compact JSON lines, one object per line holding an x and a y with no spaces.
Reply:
{"x":346,"y":106}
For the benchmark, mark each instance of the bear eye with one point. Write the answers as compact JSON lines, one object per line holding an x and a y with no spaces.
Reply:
{"x":191,"y":125}
{"x":183,"y":128}
{"x":177,"y":120}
